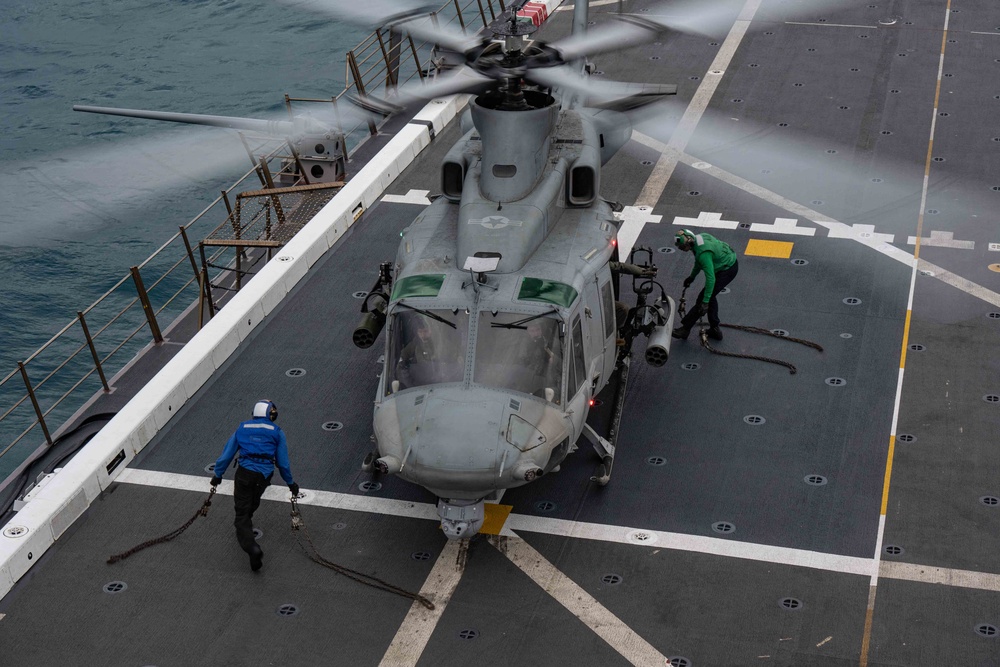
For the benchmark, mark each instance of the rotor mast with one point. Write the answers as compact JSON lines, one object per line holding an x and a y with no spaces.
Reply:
{"x":514,"y":35}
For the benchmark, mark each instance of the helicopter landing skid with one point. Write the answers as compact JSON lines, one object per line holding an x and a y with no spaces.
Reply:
{"x":605,"y":450}
{"x":605,"y":447}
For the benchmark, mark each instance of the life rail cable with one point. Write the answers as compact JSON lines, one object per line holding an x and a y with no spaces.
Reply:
{"x":202,"y":511}
{"x":299,"y":528}
{"x":703,"y":335}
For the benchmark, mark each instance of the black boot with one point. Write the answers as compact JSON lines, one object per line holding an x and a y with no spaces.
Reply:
{"x":681,"y":332}
{"x":256,"y":558}
{"x":715,"y":333}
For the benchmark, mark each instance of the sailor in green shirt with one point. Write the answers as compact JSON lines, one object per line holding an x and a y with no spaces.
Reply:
{"x":718,"y":261}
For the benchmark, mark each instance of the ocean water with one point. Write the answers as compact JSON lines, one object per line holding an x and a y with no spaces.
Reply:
{"x":82,"y":196}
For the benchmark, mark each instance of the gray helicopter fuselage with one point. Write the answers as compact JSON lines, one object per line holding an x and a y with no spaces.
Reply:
{"x":491,"y":413}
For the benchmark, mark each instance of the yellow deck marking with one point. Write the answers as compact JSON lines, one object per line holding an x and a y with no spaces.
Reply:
{"x":906,"y":339}
{"x":866,"y":640}
{"x":496,"y":517}
{"x":762,"y":248}
{"x":888,"y":474}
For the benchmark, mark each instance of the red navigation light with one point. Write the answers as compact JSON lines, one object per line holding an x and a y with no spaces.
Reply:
{"x":591,"y":402}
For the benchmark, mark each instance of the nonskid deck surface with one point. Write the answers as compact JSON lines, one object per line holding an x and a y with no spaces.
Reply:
{"x":747,"y":521}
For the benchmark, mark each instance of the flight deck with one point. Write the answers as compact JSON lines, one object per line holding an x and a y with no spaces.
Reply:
{"x":844,"y":514}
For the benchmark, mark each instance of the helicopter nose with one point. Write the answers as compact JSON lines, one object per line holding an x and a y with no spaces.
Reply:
{"x":452,"y":441}
{"x":458,"y":434}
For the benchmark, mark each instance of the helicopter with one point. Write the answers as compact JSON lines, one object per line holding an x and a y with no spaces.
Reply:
{"x":500,"y":307}
{"x":501,"y":304}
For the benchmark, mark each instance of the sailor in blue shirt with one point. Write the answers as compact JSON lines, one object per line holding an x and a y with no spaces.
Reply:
{"x":259,"y":446}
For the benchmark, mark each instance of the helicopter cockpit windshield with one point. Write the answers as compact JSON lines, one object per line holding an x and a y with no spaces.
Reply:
{"x":521,"y":353}
{"x":426,"y":347}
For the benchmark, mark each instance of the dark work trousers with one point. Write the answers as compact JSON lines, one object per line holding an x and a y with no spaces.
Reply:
{"x":249,"y":486}
{"x":722,"y":278}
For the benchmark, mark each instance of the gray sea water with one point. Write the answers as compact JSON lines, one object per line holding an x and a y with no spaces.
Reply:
{"x":83,"y":196}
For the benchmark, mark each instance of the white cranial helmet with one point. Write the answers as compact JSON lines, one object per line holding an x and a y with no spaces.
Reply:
{"x":265,"y":408}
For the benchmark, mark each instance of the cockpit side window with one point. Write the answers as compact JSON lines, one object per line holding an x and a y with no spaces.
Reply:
{"x":521,"y":354}
{"x":425,"y":349}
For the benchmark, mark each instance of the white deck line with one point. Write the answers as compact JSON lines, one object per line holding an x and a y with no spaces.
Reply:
{"x":580,"y":603}
{"x":278,"y":493}
{"x":39,"y":524}
{"x":639,"y":537}
{"x":832,"y":25}
{"x":926,"y":574}
{"x":411,"y":639}
{"x":726,"y":547}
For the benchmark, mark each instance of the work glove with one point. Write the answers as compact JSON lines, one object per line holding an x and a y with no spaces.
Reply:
{"x":688,"y":281}
{"x":701,"y":308}
{"x":649,"y":272}
{"x":294,"y":488}
{"x":216,"y":480}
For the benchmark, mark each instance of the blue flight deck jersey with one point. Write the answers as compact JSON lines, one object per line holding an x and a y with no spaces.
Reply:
{"x":261,"y":446}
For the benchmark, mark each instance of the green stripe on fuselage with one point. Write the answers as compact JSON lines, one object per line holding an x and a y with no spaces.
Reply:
{"x":549,"y":291}
{"x":426,"y":285}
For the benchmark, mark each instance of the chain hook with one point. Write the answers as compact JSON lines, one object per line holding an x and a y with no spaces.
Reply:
{"x":208,"y":503}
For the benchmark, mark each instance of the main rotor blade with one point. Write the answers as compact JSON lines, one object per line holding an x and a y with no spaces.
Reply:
{"x":699,"y":17}
{"x":319,"y":122}
{"x":282,"y":128}
{"x":411,"y":17}
{"x":715,"y":18}
{"x":461,"y":80}
{"x":801,"y":167}
{"x":75,"y":194}
{"x":628,"y":31}
{"x":601,"y":93}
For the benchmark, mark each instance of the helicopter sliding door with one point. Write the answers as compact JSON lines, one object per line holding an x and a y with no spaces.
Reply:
{"x":578,"y":367}
{"x":610,"y":324}
{"x":598,"y":337}
{"x":577,"y":383}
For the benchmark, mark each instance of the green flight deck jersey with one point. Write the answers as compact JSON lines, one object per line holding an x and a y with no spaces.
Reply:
{"x":711,"y":255}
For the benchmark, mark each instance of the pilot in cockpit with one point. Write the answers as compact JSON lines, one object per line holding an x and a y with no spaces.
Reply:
{"x":427,"y":358}
{"x":540,"y":362}
{"x":537,"y":353}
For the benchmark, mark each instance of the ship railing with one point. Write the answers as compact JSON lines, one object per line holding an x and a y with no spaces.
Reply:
{"x":80,"y":360}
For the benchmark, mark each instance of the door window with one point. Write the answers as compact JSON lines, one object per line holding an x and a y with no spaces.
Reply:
{"x":608,"y":308}
{"x":579,"y":372}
